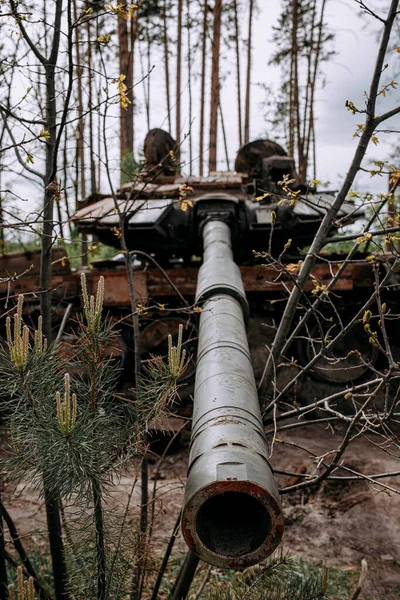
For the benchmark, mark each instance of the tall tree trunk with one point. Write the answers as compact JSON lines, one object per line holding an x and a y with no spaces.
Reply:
{"x":90,"y":107}
{"x":295,"y":94}
{"x":131,"y":108}
{"x":48,"y":210}
{"x":203,"y":84}
{"x":166,"y":64}
{"x":248,"y":78}
{"x":52,"y":507}
{"x":310,"y":55}
{"x":51,"y":191}
{"x":189,"y":59}
{"x":2,"y":238}
{"x":317,"y":52}
{"x":80,"y":147}
{"x":100,"y":546}
{"x":179,"y":74}
{"x":238,"y":78}
{"x":312,"y":142}
{"x":292,"y":85}
{"x":66,"y":193}
{"x":148,"y":79}
{"x":146,"y":99}
{"x":81,"y":121}
{"x":215,"y":85}
{"x":126,"y":144}
{"x":224,"y":137}
{"x":3,"y":568}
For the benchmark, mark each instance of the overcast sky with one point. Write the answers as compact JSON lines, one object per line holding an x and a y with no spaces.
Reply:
{"x":347,"y":77}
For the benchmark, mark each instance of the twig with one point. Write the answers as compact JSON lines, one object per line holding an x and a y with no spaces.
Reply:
{"x":165,"y":559}
{"x":63,"y":323}
{"x":203,"y":583}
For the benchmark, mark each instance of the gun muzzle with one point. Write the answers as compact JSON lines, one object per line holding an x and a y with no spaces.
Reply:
{"x":232,"y":515}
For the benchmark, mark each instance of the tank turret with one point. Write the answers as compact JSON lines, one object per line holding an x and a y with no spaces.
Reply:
{"x":164,"y":210}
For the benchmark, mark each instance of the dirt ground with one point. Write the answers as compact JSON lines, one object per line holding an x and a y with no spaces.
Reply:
{"x":340,"y":524}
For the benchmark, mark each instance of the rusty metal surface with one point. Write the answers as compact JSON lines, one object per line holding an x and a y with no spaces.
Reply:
{"x":15,"y":263}
{"x":153,"y":284}
{"x":231,"y":512}
{"x":67,"y":287}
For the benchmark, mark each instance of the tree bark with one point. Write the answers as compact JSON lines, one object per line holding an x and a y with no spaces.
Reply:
{"x":52,"y":508}
{"x":81,"y":121}
{"x":179,"y":74}
{"x":248,"y":78}
{"x":238,"y":78}
{"x":215,"y":85}
{"x":166,"y":65}
{"x":125,"y":63}
{"x":185,"y":577}
{"x":90,"y":107}
{"x":189,"y":59}
{"x":311,"y":130}
{"x":203,"y":84}
{"x":3,"y":569}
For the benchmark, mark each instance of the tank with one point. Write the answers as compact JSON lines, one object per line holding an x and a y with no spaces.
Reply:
{"x":164,"y":215}
{"x":205,"y":236}
{"x":163,"y":209}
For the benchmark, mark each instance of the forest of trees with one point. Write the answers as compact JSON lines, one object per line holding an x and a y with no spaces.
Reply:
{"x":79,"y":79}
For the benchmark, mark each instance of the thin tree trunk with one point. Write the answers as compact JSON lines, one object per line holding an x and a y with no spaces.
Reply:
{"x":66,"y":193}
{"x":60,"y":220}
{"x":238,"y":77}
{"x":166,"y":64}
{"x":248,"y":78}
{"x":2,"y":238}
{"x":314,"y":155}
{"x":314,"y":78}
{"x":179,"y":74}
{"x":189,"y":58}
{"x":307,"y":102}
{"x":90,"y":102}
{"x":146,"y":100}
{"x":164,"y":562}
{"x":203,"y":84}
{"x":100,"y":547}
{"x":148,"y":54}
{"x":129,"y":84}
{"x":292,"y":95}
{"x":296,"y":98}
{"x":144,"y":518}
{"x":51,"y":190}
{"x":81,"y":121}
{"x":185,"y":577}
{"x":215,"y":85}
{"x":3,"y":568}
{"x":99,"y":165}
{"x":133,"y":32}
{"x":224,"y":137}
{"x":56,"y":548}
{"x":49,"y":195}
{"x":123,"y":55}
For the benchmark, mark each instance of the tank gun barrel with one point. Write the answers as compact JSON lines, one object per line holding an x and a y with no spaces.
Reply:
{"x":231,"y":514}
